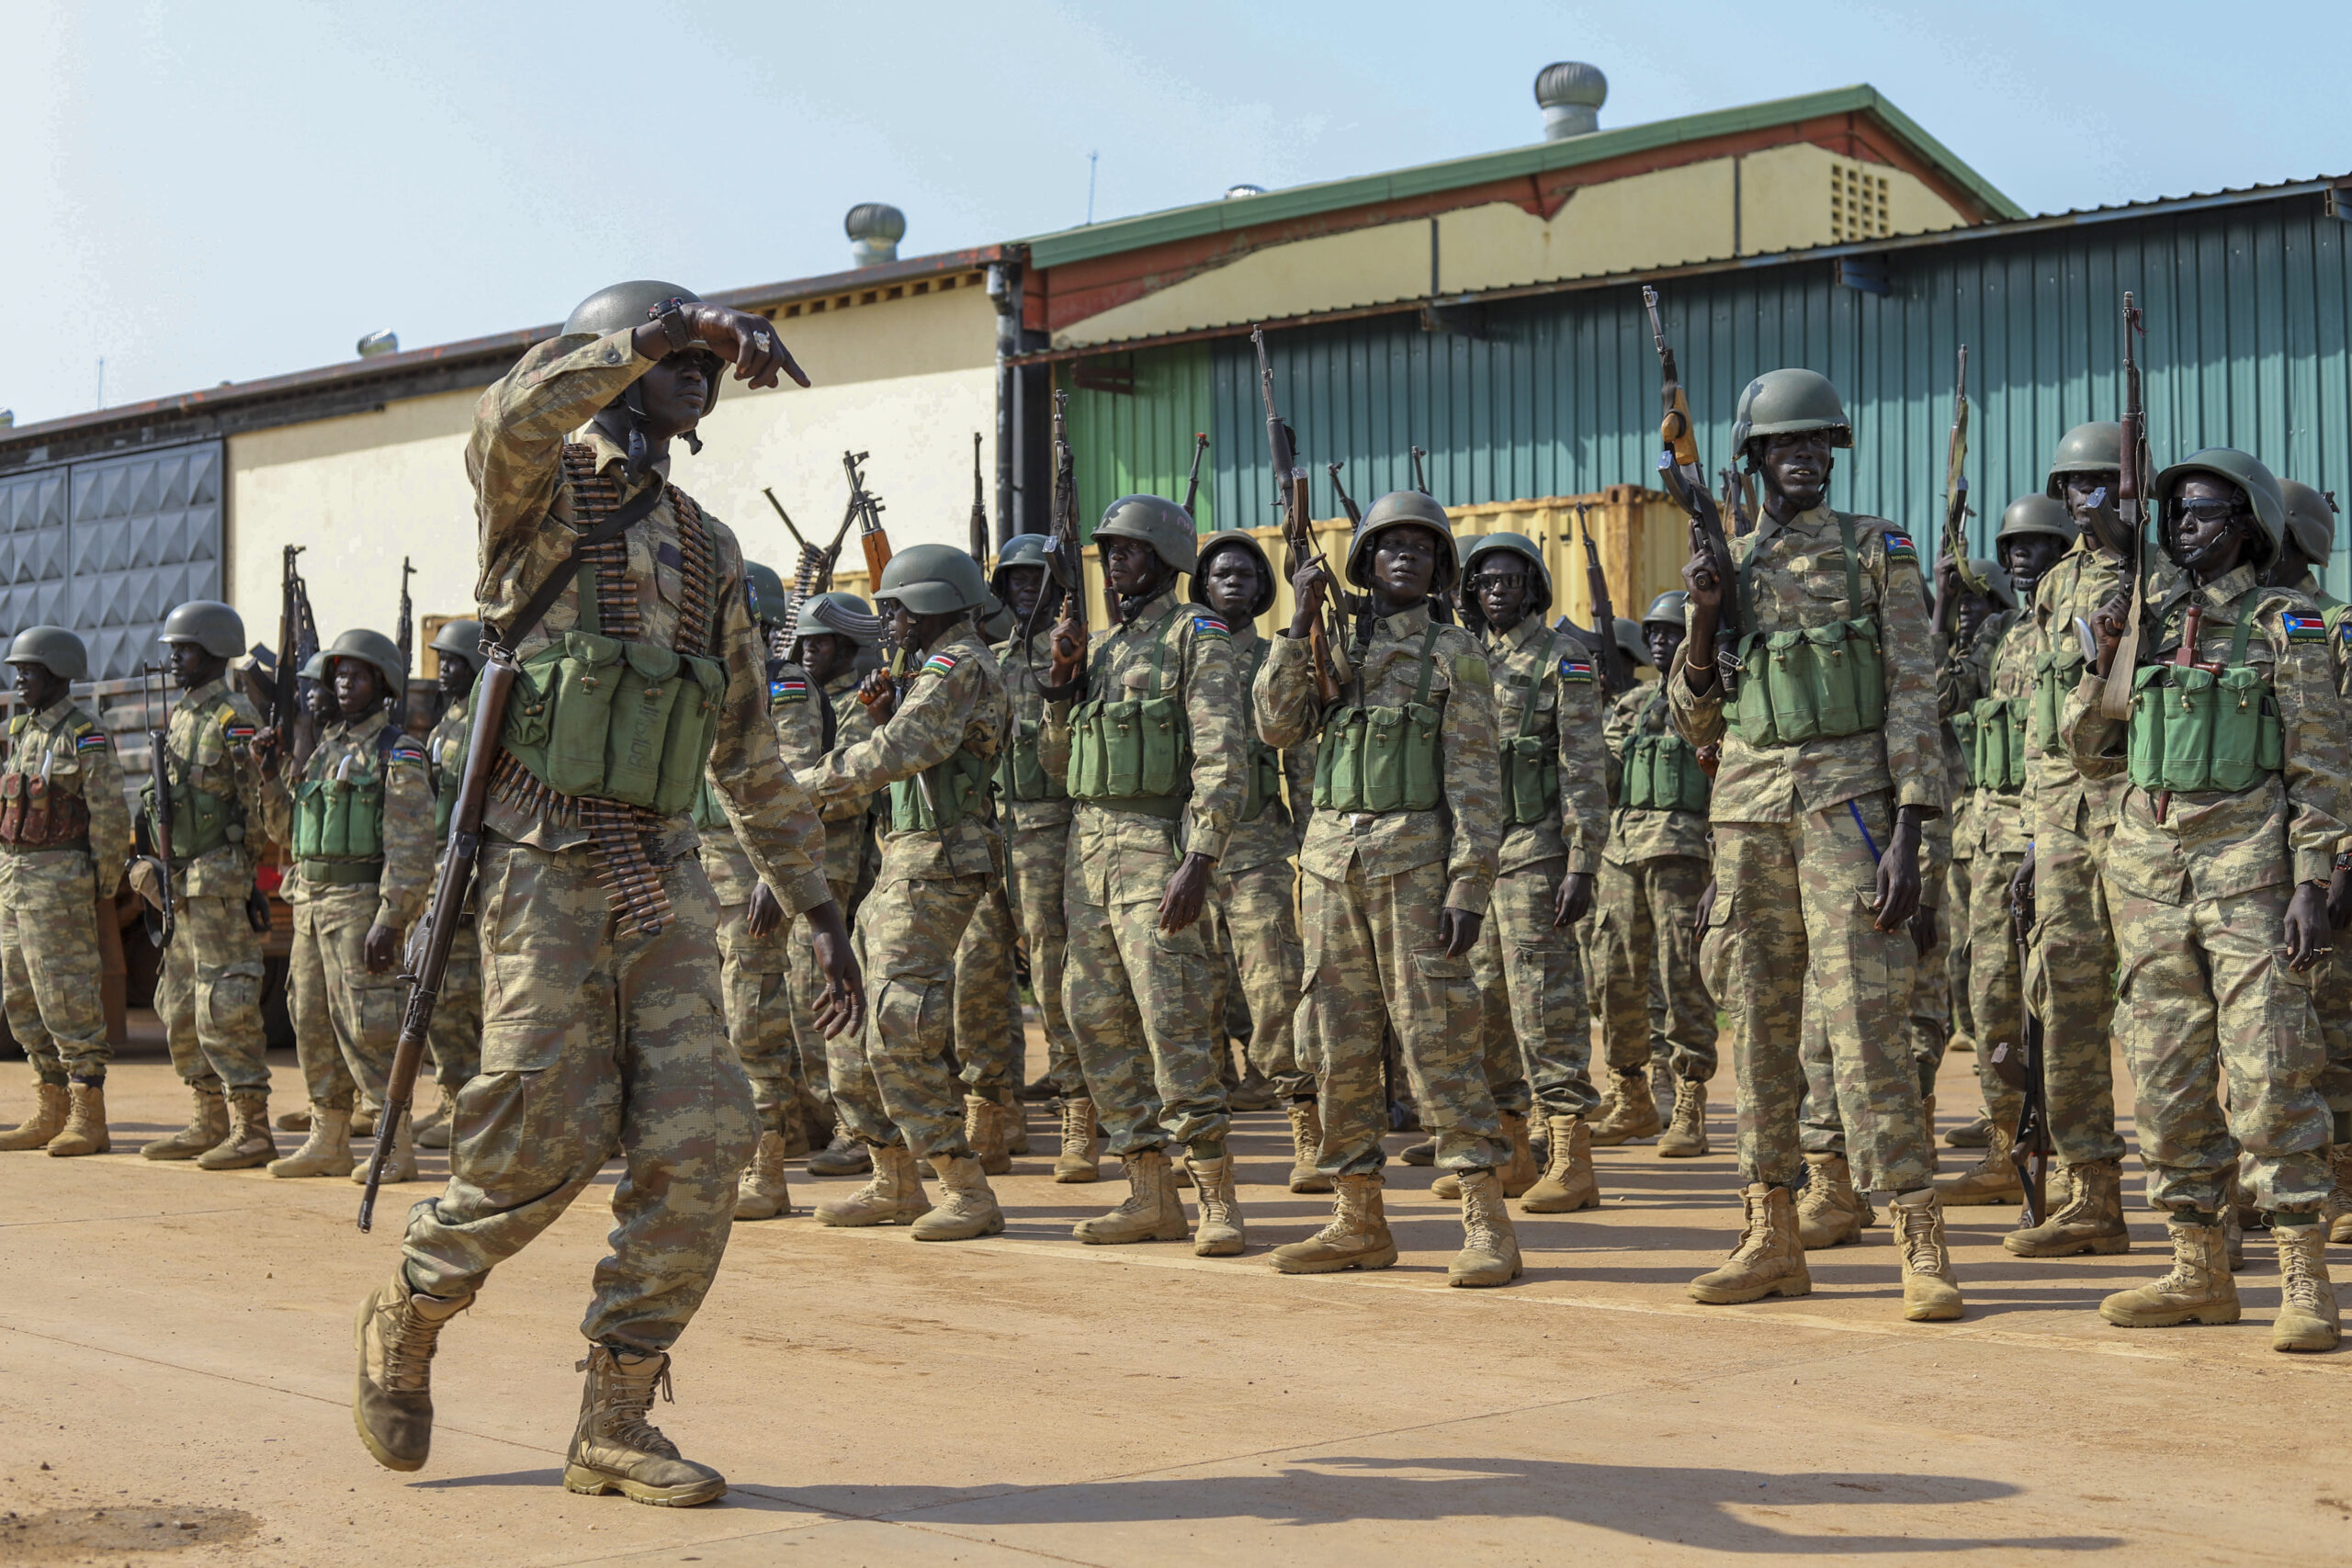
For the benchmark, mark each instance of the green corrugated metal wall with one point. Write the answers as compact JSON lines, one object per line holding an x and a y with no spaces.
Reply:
{"x":2249,"y":343}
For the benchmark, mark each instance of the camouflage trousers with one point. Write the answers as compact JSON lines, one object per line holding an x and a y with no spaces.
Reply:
{"x":2333,"y":999}
{"x":754,"y":975}
{"x":1792,"y":897}
{"x":2210,"y":1010}
{"x":346,"y":1020}
{"x":1960,"y":895}
{"x":2070,"y":980}
{"x":1035,"y":862}
{"x":595,"y":1042}
{"x":1372,"y":961}
{"x":1534,"y":1027}
{"x":1137,"y":1001}
{"x":1931,"y":998}
{"x":1642,"y":940}
{"x":988,"y":1039}
{"x":892,"y":1078}
{"x":210,"y":995}
{"x":455,"y":1031}
{"x":1256,"y":919}
{"x":1996,"y":983}
{"x":50,"y":970}
{"x":809,"y":1041}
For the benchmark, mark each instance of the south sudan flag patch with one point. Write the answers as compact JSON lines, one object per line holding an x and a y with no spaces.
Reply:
{"x":238,"y":731}
{"x":94,"y":741}
{"x":1899,"y":547}
{"x":2304,"y":628}
{"x":1211,"y":626}
{"x":409,"y":749}
{"x":1573,"y":669}
{"x":787,"y":689}
{"x":938,"y":664}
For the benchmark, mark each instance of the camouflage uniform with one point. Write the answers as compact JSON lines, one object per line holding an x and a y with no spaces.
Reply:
{"x":1375,"y":883}
{"x":1794,"y":875}
{"x":2332,"y":995}
{"x":50,"y":891}
{"x":209,"y":991}
{"x":456,"y":1034}
{"x":1653,"y":868}
{"x":341,"y":898}
{"x":1137,"y":997}
{"x":848,"y":833}
{"x":1535,"y":1029}
{"x":2199,"y":902}
{"x":2002,"y":667}
{"x":891,"y":1081}
{"x":988,"y":1036}
{"x":599,"y":1038}
{"x":1036,"y":845}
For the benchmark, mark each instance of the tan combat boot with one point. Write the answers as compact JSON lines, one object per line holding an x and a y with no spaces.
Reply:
{"x":1016,"y":1125}
{"x":1630,"y":1112}
{"x":362,"y":1122}
{"x":1930,"y":1292}
{"x":433,"y":1132}
{"x":1220,"y":1233}
{"x":2198,"y":1289}
{"x":85,"y":1132}
{"x":48,"y":1119}
{"x":392,"y":1405}
{"x":294,"y":1120}
{"x":1254,"y":1092}
{"x":1306,"y":1147}
{"x":893,"y":1195}
{"x":1422,"y":1153}
{"x":2090,"y":1220}
{"x":208,"y":1123}
{"x":1522,"y":1172}
{"x":248,"y":1140}
{"x":844,"y":1157}
{"x":1076,"y":1163}
{"x":984,"y":1130}
{"x":327,"y":1150}
{"x":1993,"y":1180}
{"x":401,"y":1166}
{"x":1686,"y":1136}
{"x":1152,"y":1212}
{"x":1489,"y":1254}
{"x":1357,"y":1236}
{"x":968,"y":1206}
{"x":1973,"y":1134}
{"x":1568,"y":1183}
{"x":617,"y":1447}
{"x":1829,"y":1212}
{"x":2336,"y":1213}
{"x":761,"y":1192}
{"x":2307,"y":1319}
{"x":1768,"y":1260}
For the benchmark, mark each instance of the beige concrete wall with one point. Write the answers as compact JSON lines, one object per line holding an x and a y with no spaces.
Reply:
{"x":1785,"y":193}
{"x":1665,"y":219}
{"x":908,"y":380}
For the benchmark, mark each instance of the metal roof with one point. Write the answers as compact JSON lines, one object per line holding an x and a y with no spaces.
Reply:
{"x":1330,"y":196}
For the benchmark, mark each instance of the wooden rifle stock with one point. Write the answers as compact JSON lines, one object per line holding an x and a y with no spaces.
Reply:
{"x":2131,"y":507}
{"x":443,"y":915}
{"x":159,"y":826}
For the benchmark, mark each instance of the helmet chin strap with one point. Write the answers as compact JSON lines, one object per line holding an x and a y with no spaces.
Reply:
{"x":641,"y":452}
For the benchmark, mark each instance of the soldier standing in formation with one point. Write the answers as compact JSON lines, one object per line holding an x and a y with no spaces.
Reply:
{"x":1830,"y":769}
{"x":2236,"y":775}
{"x":1654,"y":868}
{"x":1399,"y":864}
{"x":1535,"y":1026}
{"x":602,"y":1034}
{"x":64,"y":835}
{"x":359,"y":821}
{"x":210,"y":992}
{"x":455,"y":1035}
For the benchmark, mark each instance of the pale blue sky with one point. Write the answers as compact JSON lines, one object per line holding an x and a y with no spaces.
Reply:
{"x":211,"y":192}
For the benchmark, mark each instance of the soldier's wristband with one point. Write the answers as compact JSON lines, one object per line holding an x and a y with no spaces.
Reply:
{"x":671,"y":316}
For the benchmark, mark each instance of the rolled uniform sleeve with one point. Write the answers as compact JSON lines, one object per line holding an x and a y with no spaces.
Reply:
{"x":1220,"y":750}
{"x":1473,"y":772}
{"x":1283,"y":697}
{"x":1699,"y":719}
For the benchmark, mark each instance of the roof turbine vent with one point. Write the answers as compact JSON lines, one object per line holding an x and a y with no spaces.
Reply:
{"x":875,"y":229}
{"x":1571,"y":94}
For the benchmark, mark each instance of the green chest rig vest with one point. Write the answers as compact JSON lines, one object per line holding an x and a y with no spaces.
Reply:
{"x":339,"y":818}
{"x":1661,"y":770}
{"x":35,"y":813}
{"x":1383,"y":759}
{"x":1019,"y":774}
{"x":1134,"y":753}
{"x":201,"y":820}
{"x":2196,"y":729}
{"x":1818,"y":683}
{"x":1530,"y":759}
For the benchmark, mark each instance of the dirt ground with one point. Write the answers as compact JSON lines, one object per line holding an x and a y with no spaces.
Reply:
{"x":177,"y":1350}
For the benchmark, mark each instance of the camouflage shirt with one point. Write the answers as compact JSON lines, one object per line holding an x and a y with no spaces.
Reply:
{"x":1024,"y":666}
{"x":64,"y":744}
{"x":953,"y":700}
{"x":1533,"y":664}
{"x":1465,"y":831}
{"x":2056,"y":792}
{"x":356,"y":751}
{"x":210,"y":748}
{"x":2283,"y":828}
{"x":1639,"y":836}
{"x":848,"y":815}
{"x":2001,"y":660}
{"x":525,"y":517}
{"x":1274,"y":835}
{"x":799,"y":729}
{"x":445,"y":758}
{"x":1797,"y":579}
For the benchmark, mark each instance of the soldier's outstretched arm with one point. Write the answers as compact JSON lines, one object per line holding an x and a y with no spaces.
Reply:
{"x":1283,"y":697}
{"x":923,"y":732}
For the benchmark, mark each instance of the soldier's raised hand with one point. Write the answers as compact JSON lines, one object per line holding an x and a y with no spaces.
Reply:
{"x":750,"y":342}
{"x":1308,"y":586}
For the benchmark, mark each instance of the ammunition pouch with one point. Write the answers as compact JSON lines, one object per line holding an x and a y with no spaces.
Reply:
{"x":709,"y":815}
{"x":1661,"y":772}
{"x":959,"y":788}
{"x":1964,"y":729}
{"x":1132,"y":749}
{"x":202,"y":821}
{"x":2202,"y":730}
{"x":36,"y":815}
{"x":2054,"y":675}
{"x":611,"y":720}
{"x":1383,"y":759}
{"x":339,"y":820}
{"x":1997,"y":743}
{"x":1818,"y":683}
{"x":1532,"y":759}
{"x":1019,"y":774}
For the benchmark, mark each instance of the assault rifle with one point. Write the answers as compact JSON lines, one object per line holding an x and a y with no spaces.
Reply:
{"x":1607,"y":656}
{"x":1346,"y":502}
{"x":1738,"y":501}
{"x":2131,"y":507}
{"x":1686,"y":481}
{"x":864,"y":510}
{"x":2020,"y":1065}
{"x":981,"y":510}
{"x":405,"y":635}
{"x":1956,"y":507}
{"x":1193,"y":480}
{"x":1325,"y":644}
{"x":298,"y":641}
{"x":162,"y":917}
{"x":1421,"y":480}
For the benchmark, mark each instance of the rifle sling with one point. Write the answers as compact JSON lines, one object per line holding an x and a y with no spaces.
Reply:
{"x":623,"y":517}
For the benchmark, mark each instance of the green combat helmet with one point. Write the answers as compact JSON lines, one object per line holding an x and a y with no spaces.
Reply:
{"x":370,"y":648}
{"x":2311,"y":521}
{"x":933,"y":579}
{"x":54,"y":649}
{"x":1519,"y":544}
{"x":1999,"y":587}
{"x":1167,"y":527}
{"x":1022,"y":550}
{"x":1397,"y":507}
{"x":994,"y":619}
{"x":1631,"y":642}
{"x":313,"y":668}
{"x":460,"y":639}
{"x":2095,"y":447}
{"x":2036,"y":514}
{"x":207,"y":623}
{"x":1787,"y":403}
{"x":1668,"y":609}
{"x":764,"y":591}
{"x":631,"y":305}
{"x":2257,"y":484}
{"x":1237,"y":539}
{"x":855,"y":620}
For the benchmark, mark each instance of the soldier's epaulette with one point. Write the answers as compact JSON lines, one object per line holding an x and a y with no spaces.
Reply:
{"x":16,"y":725}
{"x":1575,"y":668}
{"x":2304,"y":628}
{"x":1210,"y":628}
{"x":938,"y":664}
{"x":88,"y":737}
{"x":787,"y":689}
